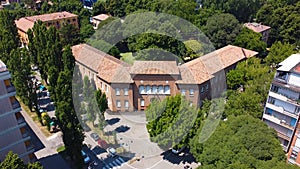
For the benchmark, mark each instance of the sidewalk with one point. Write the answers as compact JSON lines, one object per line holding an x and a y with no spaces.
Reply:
{"x":47,"y":156}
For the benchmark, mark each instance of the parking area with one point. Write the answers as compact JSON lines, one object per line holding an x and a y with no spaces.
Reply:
{"x":141,"y":153}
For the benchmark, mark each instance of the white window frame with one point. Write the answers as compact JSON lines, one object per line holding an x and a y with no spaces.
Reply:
{"x":142,"y":103}
{"x":160,"y":89}
{"x":126,"y":103}
{"x":118,"y":92}
{"x":154,"y":89}
{"x":192,"y":92}
{"x":125,"y":91}
{"x":167,"y":89}
{"x":148,"y":89}
{"x":118,"y":104}
{"x":183,"y":92}
{"x":142,"y":89}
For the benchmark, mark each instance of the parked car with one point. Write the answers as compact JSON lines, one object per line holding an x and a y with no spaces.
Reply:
{"x":86,"y":128}
{"x":111,"y":152}
{"x":95,"y":136}
{"x":86,"y":158}
{"x":176,"y":150}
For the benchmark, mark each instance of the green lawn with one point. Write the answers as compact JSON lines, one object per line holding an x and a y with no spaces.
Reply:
{"x":127,"y":57}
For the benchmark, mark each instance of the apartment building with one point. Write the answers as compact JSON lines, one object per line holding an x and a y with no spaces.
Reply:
{"x":57,"y":19}
{"x":13,"y":133}
{"x":282,"y":107}
{"x":133,"y":87}
{"x":259,"y":28}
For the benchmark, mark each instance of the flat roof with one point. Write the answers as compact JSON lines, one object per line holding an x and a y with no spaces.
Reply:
{"x":289,"y":63}
{"x":257,"y":27}
{"x":3,"y":67}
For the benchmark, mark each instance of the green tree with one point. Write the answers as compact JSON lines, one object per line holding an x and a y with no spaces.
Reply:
{"x":278,"y":52}
{"x":69,"y":35}
{"x":102,"y":106}
{"x":72,"y":132}
{"x":222,"y":29}
{"x":242,"y":142}
{"x":12,"y":161}
{"x":251,"y":40}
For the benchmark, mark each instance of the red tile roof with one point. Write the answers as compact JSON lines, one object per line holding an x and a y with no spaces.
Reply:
{"x":155,"y":67}
{"x":203,"y":68}
{"x":256,"y":27}
{"x":26,"y":23}
{"x":108,"y":67}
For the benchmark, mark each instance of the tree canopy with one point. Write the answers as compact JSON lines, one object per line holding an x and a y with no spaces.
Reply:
{"x":239,"y":142}
{"x":12,"y":161}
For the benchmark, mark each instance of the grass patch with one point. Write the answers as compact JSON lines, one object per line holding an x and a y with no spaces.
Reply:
{"x":127,"y":57}
{"x":35,"y":118}
{"x":108,"y":138}
{"x":61,"y":149}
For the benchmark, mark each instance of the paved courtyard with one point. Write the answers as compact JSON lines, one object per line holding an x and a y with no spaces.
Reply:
{"x":133,"y":136}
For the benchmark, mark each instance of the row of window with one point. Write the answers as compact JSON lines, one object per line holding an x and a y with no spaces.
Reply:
{"x":192,"y":90}
{"x":119,"y":105}
{"x":118,"y":91}
{"x":154,"y":89}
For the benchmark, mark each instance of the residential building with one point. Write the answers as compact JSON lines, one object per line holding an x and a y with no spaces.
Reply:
{"x":259,"y":28}
{"x":282,"y":106}
{"x":133,"y":87}
{"x":13,"y":133}
{"x":57,"y":19}
{"x":96,"y":20}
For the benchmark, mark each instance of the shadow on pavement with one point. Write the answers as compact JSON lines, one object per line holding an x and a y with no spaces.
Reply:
{"x":54,"y":161}
{"x":38,"y":145}
{"x":184,"y":157}
{"x":113,"y":121}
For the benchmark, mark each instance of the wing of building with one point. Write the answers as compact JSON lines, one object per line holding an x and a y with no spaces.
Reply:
{"x":283,"y":106}
{"x":133,"y":87}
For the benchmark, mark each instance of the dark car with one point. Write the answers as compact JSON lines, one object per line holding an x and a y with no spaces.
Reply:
{"x":95,"y":136}
{"x":85,"y":127}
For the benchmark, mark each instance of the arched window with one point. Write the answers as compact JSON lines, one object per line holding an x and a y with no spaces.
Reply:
{"x":167,"y":90}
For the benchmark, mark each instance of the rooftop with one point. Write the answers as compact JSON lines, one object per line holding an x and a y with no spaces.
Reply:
{"x":205,"y":66}
{"x":196,"y":71}
{"x":27,"y":23}
{"x":101,"y":17}
{"x":108,"y":67}
{"x":155,"y":67}
{"x":289,"y":63}
{"x":3,"y":67}
{"x":256,"y":27}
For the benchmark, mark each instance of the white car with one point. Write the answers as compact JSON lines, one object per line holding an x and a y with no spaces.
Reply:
{"x":111,"y":151}
{"x":177,"y":151}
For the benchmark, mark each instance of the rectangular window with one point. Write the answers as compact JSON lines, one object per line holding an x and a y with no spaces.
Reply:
{"x":160,"y":89}
{"x":206,"y":87}
{"x":202,"y":89}
{"x":142,"y":90}
{"x":126,"y":91}
{"x":118,"y":103}
{"x":183,"y":92}
{"x":142,"y":102}
{"x":154,"y":89}
{"x":167,"y":90}
{"x":106,"y":88}
{"x":117,"y":91}
{"x":191,"y":92}
{"x":148,"y":89}
{"x":126,"y":104}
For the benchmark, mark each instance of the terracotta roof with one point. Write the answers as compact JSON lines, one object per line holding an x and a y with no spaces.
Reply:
{"x":51,"y":16}
{"x":24,"y":24}
{"x":256,"y":27}
{"x":205,"y":66}
{"x":108,"y":67}
{"x":101,"y":17}
{"x":155,"y":67}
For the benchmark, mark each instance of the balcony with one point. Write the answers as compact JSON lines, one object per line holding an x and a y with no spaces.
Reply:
{"x":15,"y":105}
{"x":283,"y":136}
{"x":278,"y":121}
{"x":20,"y":120}
{"x":283,"y":98}
{"x":281,"y":110}
{"x":25,"y":134}
{"x":10,"y":89}
{"x":30,"y":147}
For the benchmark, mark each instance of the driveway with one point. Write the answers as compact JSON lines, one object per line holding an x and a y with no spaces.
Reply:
{"x":132,"y":134}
